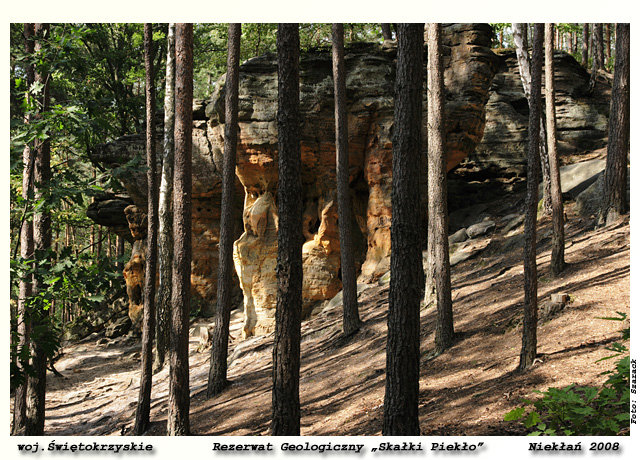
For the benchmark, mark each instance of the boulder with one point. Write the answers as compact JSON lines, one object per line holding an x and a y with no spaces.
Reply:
{"x":577,"y":177}
{"x":481,"y":228}
{"x":118,"y":327}
{"x":458,"y":237}
{"x":589,"y":201}
{"x":514,"y":221}
{"x":460,"y":252}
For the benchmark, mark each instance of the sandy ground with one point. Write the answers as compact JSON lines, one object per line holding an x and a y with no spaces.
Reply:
{"x":465,"y":391}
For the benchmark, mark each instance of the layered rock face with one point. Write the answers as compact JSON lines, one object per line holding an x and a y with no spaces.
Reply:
{"x":498,"y":165}
{"x":370,"y":87}
{"x":470,"y":66}
{"x":125,"y":158}
{"x":581,"y":115}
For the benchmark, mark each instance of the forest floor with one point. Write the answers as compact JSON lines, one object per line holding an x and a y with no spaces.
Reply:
{"x":464,"y":391}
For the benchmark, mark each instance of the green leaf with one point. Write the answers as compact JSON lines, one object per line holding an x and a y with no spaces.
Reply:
{"x":532,"y":419}
{"x":515,"y":414}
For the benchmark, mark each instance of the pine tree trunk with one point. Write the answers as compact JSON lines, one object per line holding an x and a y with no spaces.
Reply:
{"x":607,"y":43}
{"x":219,"y":349}
{"x":165,"y":214}
{"x":615,"y":175}
{"x":407,"y":276}
{"x":99,"y":243}
{"x":119,"y":252}
{"x":525,"y":75}
{"x":530,"y":323}
{"x":286,"y":348}
{"x":178,"y":411}
{"x":585,"y":44}
{"x":37,"y":383}
{"x":386,"y":31}
{"x":26,"y":252}
{"x":350,"y":317}
{"x":438,"y":240}
{"x":557,"y":245}
{"x":149,"y":312}
{"x":598,"y":41}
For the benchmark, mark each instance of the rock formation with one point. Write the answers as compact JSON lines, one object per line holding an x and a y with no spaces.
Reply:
{"x":499,"y":161}
{"x":470,"y":66}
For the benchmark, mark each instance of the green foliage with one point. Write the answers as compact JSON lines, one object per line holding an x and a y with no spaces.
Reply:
{"x":582,"y":410}
{"x":210,"y":45}
{"x":505,"y":29}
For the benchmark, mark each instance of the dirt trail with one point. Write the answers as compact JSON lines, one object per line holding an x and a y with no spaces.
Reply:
{"x":464,"y":391}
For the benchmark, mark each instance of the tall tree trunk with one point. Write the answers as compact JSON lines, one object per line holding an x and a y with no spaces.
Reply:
{"x":165,"y":214}
{"x":119,"y":252}
{"x":178,"y":412}
{"x":219,"y":349}
{"x":407,"y":276}
{"x":570,"y":42}
{"x":286,"y":348}
{"x":386,"y":31}
{"x":37,"y":383}
{"x":598,"y":41}
{"x":557,"y":245}
{"x":149,"y":312}
{"x":607,"y":43}
{"x":525,"y":75}
{"x":438,"y":249}
{"x":350,"y":317}
{"x":26,"y":252}
{"x":615,"y":175}
{"x":99,"y":242}
{"x":530,"y":323}
{"x":585,"y":44}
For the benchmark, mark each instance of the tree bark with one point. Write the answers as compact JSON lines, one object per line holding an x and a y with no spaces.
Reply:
{"x":530,"y":323}
{"x":218,"y":367}
{"x":119,"y":252}
{"x":585,"y":44}
{"x":350,"y":317}
{"x":149,"y":312}
{"x":37,"y":383}
{"x":178,"y":412}
{"x":407,"y":276}
{"x":525,"y":75}
{"x":615,"y":175}
{"x":438,"y":228}
{"x":26,"y":252}
{"x":386,"y":31}
{"x":165,"y":214}
{"x":557,"y":245}
{"x":607,"y":43}
{"x":286,"y":348}
{"x":598,"y":41}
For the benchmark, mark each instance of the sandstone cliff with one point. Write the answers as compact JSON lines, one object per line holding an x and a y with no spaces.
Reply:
{"x":499,"y":162}
{"x":470,"y":67}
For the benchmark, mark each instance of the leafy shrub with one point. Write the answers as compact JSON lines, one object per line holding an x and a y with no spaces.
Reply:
{"x":583,"y":410}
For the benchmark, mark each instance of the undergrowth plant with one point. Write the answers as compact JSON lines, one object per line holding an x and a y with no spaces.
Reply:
{"x":583,"y":410}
